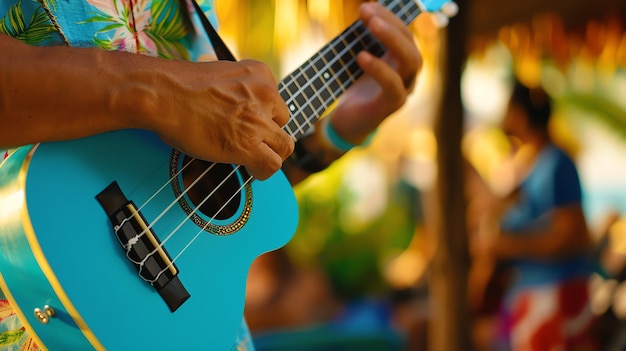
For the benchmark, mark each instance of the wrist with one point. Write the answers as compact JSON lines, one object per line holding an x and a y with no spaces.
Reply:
{"x":140,"y":106}
{"x":145,"y":99}
{"x":334,"y":140}
{"x":307,"y":161}
{"x":130,"y":96}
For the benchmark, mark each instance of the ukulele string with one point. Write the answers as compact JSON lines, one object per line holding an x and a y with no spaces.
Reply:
{"x":200,"y":232}
{"x":132,"y":241}
{"x":119,"y":226}
{"x":209,"y":222}
{"x":188,"y":217}
{"x":348,"y":47}
{"x":288,"y":129}
{"x":308,"y":121}
{"x":321,"y":56}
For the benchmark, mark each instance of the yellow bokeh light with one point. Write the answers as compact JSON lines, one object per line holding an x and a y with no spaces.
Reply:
{"x":10,"y":205}
{"x":617,"y":236}
{"x":405,"y":270}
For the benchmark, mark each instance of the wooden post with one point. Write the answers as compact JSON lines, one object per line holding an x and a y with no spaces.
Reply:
{"x":449,"y":328}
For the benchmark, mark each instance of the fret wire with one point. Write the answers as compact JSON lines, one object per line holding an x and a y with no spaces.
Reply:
{"x":308,"y":103}
{"x":368,"y":32}
{"x":341,"y":68}
{"x":309,"y":88}
{"x":300,"y":104}
{"x":413,"y":15}
{"x":350,"y":65}
{"x":328,"y":75}
{"x":299,"y":110}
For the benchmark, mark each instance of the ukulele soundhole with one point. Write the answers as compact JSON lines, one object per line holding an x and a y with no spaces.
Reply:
{"x":216,"y":196}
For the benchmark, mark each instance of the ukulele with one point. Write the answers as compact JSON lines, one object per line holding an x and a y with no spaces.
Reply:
{"x":119,"y":242}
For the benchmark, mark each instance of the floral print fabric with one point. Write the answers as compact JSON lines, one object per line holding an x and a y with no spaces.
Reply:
{"x":164,"y":28}
{"x":170,"y":29}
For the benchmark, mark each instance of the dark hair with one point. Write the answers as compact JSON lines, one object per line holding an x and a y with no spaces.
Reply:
{"x":535,"y":102}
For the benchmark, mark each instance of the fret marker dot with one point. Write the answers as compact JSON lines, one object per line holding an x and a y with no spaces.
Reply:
{"x":326,"y":75}
{"x":292,"y":107}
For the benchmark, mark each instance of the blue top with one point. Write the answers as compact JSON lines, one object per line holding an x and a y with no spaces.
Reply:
{"x":553,"y":182}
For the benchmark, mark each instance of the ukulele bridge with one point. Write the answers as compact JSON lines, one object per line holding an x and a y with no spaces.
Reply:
{"x":143,"y":248}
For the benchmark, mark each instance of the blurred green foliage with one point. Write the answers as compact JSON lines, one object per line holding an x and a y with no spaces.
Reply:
{"x":351,"y":252}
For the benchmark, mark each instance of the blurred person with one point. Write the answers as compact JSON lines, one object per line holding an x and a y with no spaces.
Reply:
{"x":540,"y":234}
{"x":88,"y":67}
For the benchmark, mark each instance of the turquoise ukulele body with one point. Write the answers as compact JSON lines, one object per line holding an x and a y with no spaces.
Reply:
{"x":59,"y":247}
{"x":109,"y":242}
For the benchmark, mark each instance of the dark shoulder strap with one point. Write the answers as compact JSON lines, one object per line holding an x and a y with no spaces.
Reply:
{"x":218,"y":45}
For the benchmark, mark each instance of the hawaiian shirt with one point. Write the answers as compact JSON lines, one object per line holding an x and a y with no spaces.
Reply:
{"x":159,"y":28}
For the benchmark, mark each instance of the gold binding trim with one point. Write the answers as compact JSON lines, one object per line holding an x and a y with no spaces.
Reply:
{"x":20,"y":314}
{"x":45,"y":266}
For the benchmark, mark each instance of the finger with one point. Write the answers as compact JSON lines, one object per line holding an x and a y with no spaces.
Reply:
{"x":264,"y":163}
{"x":281,"y":143}
{"x":278,"y":140}
{"x":403,"y":50}
{"x":269,"y":93}
{"x":390,"y":82}
{"x":371,"y":10}
{"x":280,"y":112}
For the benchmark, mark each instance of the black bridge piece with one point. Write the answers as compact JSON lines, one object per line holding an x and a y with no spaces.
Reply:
{"x":124,"y":214}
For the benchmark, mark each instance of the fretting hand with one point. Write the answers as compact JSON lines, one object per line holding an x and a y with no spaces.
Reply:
{"x":387,"y":81}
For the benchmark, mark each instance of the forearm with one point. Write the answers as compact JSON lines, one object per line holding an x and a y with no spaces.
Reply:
{"x":510,"y":246}
{"x":543,"y":245}
{"x":60,"y":93}
{"x":565,"y":234}
{"x":222,"y":111}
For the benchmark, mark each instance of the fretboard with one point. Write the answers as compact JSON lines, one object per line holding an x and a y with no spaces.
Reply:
{"x":313,"y":87}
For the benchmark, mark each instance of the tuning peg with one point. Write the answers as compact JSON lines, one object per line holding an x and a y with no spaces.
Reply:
{"x":450,"y":9}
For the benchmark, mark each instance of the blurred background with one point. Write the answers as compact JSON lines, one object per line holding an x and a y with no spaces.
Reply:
{"x":380,"y":260}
